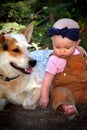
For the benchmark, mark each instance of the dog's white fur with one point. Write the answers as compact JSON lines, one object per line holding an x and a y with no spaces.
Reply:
{"x":22,"y":89}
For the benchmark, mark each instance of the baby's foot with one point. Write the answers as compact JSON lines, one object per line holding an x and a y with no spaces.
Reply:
{"x":69,"y":110}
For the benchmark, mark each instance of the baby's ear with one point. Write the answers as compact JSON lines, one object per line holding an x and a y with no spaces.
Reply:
{"x":81,"y":49}
{"x":78,"y":42}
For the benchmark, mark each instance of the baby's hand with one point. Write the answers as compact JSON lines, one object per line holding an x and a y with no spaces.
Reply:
{"x":43,"y":102}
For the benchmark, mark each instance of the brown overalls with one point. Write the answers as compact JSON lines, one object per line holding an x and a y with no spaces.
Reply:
{"x":70,"y":86}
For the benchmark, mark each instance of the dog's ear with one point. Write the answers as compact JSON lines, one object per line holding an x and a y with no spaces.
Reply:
{"x":1,"y":38}
{"x":28,"y":31}
{"x":4,"y":38}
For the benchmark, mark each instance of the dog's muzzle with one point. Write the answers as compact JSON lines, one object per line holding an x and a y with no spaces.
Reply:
{"x":27,"y":70}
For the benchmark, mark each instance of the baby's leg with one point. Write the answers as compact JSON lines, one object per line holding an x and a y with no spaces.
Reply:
{"x":63,"y":101}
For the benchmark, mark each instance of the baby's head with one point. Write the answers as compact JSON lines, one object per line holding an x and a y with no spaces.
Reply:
{"x":66,"y":22}
{"x":65,"y":36}
{"x":66,"y":27}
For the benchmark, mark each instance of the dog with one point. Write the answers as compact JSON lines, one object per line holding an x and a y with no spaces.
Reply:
{"x":21,"y":71}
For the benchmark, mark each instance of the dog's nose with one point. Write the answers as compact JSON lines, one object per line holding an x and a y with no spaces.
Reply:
{"x":32,"y":62}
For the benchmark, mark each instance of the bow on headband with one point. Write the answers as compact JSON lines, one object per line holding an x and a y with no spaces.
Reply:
{"x":71,"y":33}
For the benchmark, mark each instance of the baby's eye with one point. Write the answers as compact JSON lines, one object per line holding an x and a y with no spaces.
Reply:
{"x":68,"y":47}
{"x":57,"y":47}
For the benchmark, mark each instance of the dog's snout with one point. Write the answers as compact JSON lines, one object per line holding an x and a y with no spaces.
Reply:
{"x":32,"y":62}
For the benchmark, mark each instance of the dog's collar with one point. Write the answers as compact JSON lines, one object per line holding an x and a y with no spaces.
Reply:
{"x":7,"y":78}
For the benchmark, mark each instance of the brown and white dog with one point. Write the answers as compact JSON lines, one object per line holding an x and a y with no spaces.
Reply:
{"x":20,"y":74}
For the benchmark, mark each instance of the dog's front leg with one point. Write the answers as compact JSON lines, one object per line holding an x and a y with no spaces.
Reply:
{"x":3,"y":102}
{"x":31,"y":102}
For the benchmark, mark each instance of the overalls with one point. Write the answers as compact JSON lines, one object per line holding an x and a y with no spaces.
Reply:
{"x":70,"y":86}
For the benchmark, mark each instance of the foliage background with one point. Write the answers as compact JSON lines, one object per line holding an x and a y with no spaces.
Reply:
{"x":17,"y":14}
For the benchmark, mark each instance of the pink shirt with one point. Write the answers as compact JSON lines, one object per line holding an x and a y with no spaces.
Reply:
{"x":57,"y":64}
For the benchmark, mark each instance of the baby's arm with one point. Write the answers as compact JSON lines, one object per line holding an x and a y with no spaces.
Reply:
{"x":46,"y":84}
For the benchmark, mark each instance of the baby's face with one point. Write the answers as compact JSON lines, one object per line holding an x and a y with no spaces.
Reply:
{"x":63,"y":47}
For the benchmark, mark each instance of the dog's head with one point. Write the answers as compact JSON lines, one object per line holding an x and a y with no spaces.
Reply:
{"x":14,"y":53}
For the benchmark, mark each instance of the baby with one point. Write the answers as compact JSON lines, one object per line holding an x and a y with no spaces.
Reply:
{"x":66,"y":71}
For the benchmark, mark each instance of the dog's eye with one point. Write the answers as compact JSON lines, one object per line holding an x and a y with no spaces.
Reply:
{"x":16,"y":50}
{"x":28,"y":48}
{"x":5,"y":46}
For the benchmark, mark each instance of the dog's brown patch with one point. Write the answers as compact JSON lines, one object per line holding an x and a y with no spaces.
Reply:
{"x":10,"y":45}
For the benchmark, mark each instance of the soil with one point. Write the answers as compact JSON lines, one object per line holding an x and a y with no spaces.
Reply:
{"x":16,"y":118}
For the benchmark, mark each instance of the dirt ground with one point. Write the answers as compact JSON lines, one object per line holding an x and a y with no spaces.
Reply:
{"x":16,"y":118}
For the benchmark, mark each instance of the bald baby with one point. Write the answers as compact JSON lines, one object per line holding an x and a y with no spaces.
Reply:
{"x":66,"y":22}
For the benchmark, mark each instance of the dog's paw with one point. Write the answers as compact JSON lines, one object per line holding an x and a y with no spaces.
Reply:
{"x":31,"y":101}
{"x":29,"y":104}
{"x":3,"y":102}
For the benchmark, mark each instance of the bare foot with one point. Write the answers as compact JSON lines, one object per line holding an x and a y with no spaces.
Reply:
{"x":69,"y":110}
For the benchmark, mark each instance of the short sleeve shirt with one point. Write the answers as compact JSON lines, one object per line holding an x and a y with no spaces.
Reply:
{"x":57,"y":64}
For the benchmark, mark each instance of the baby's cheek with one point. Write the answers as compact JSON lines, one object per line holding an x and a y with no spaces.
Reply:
{"x":86,"y":62}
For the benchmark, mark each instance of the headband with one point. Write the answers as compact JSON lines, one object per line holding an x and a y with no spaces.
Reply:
{"x":71,"y":33}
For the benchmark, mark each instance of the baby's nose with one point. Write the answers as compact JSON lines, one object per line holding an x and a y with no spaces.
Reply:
{"x":62,"y":50}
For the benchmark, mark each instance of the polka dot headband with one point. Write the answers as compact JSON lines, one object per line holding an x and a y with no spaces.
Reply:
{"x":71,"y":33}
